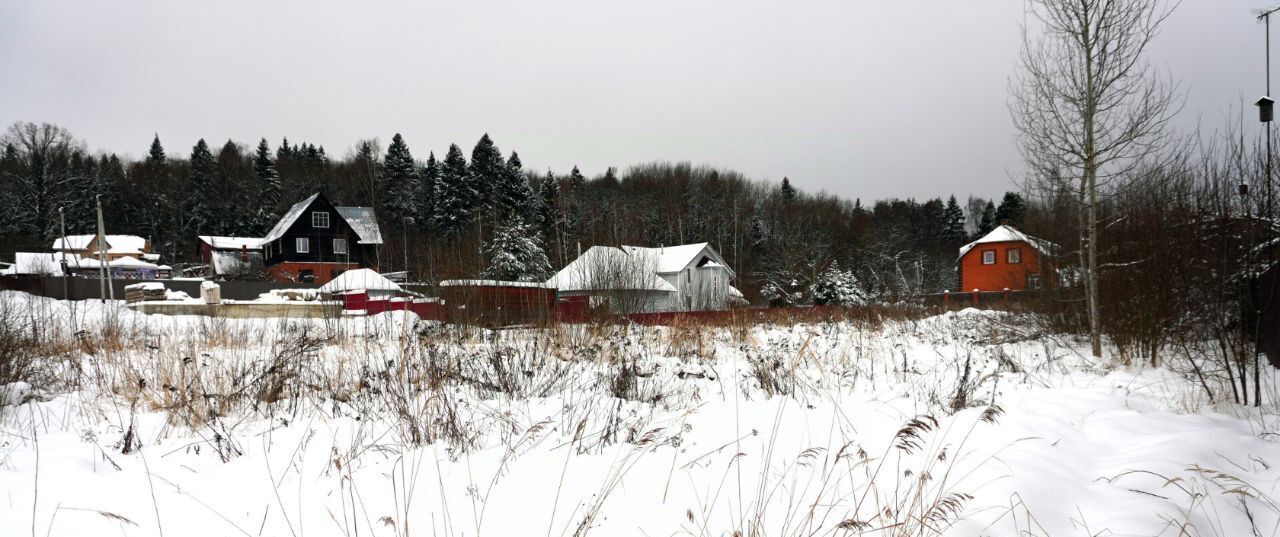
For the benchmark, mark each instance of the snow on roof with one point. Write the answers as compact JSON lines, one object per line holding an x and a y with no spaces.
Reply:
{"x":677,"y":258}
{"x":122,"y":244}
{"x":289,"y":218}
{"x":228,"y":262}
{"x":130,"y":262}
{"x":45,"y":263}
{"x":232,"y":243}
{"x":359,"y":279}
{"x":493,"y":283}
{"x":1006,"y":233}
{"x":607,"y":268}
{"x":363,"y":221}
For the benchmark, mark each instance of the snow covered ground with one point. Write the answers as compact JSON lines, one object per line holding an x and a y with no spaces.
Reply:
{"x":967,"y":423}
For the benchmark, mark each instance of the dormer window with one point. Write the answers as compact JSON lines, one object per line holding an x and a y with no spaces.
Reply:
{"x":320,"y":219}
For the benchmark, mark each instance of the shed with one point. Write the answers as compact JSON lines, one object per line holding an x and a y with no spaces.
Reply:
{"x":367,"y":280}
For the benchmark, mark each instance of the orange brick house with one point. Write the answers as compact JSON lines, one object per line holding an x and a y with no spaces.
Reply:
{"x":1007,"y":259}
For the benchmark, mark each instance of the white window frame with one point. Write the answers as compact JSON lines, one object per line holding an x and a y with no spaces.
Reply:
{"x":320,"y":219}
{"x":988,"y":254}
{"x":343,"y":249}
{"x":1010,"y":254}
{"x":302,"y":245}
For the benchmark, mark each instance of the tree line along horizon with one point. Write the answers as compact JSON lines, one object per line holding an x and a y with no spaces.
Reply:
{"x":486,"y":215}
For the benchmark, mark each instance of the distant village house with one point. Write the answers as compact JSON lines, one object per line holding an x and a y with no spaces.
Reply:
{"x":1007,"y":259}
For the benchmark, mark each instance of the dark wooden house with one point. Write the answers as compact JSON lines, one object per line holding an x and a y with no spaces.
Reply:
{"x":316,"y":241}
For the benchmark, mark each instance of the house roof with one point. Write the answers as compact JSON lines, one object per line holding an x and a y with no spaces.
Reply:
{"x":604,"y":268}
{"x":363,"y":221}
{"x":44,"y":263}
{"x":1007,"y":233}
{"x":232,"y":243}
{"x":289,"y":218}
{"x":357,"y":279}
{"x":669,"y":259}
{"x":116,"y":244}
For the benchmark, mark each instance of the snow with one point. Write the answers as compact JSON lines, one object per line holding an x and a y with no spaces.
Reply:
{"x":148,"y":286}
{"x":603,"y":268}
{"x":125,"y":244}
{"x":46,"y":263}
{"x":782,"y":430}
{"x":232,"y":243}
{"x":493,"y":283}
{"x":357,"y":279}
{"x":1006,"y":233}
{"x":669,"y":259}
{"x":363,"y":221}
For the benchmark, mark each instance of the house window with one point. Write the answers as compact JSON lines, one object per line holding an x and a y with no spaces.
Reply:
{"x":1033,"y":281}
{"x":1013,"y":255}
{"x":339,"y":246}
{"x":988,"y":257}
{"x":306,"y":275}
{"x":302,"y":245}
{"x":319,"y":219}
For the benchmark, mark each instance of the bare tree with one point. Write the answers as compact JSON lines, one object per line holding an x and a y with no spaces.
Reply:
{"x":1088,"y":107}
{"x":41,"y":176}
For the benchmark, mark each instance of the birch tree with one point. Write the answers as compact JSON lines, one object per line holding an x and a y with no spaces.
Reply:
{"x":1089,"y":107}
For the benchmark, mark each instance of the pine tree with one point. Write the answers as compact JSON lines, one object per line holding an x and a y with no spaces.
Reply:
{"x":453,"y":197}
{"x":401,"y":183}
{"x":515,"y":254}
{"x":953,"y":223}
{"x":268,"y":186}
{"x":988,"y":221}
{"x":549,"y":205}
{"x":1011,"y":209}
{"x":486,"y":172}
{"x":787,"y":191}
{"x":513,"y":195}
{"x":426,"y":205}
{"x":576,"y":218}
{"x":156,"y":157}
{"x":201,"y":212}
{"x":836,"y":287}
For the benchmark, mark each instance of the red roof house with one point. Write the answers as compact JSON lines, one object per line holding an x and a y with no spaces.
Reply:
{"x":1006,"y":259}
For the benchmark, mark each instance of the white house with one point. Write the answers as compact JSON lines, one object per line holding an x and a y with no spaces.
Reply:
{"x":117,"y":246}
{"x":634,"y":279}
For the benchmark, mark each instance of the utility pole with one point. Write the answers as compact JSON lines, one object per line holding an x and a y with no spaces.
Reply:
{"x":103,"y":284}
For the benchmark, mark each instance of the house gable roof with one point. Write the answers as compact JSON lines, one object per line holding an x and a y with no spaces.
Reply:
{"x":671,"y":259}
{"x":232,"y":243}
{"x":361,"y":220}
{"x":606,"y":268}
{"x":1007,"y":233}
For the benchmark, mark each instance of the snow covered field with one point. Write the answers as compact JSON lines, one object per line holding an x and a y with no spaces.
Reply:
{"x":966,"y":423}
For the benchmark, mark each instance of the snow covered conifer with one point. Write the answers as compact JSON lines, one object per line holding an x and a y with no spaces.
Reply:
{"x":453,"y":195}
{"x":264,"y":169}
{"x":400,"y":182}
{"x":486,"y":172}
{"x":201,"y":214}
{"x":836,"y":287}
{"x":953,"y":223}
{"x":513,"y":195}
{"x":515,"y":254}
{"x":156,"y":157}
{"x":787,"y":191}
{"x":426,"y":205}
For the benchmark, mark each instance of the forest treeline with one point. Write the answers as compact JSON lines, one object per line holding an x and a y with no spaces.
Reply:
{"x":480,"y":212}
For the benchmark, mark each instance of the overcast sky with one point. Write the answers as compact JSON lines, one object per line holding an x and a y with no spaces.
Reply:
{"x":859,"y":98}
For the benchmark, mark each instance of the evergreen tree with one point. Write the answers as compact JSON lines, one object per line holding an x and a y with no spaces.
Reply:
{"x":486,"y":172}
{"x":426,"y":204}
{"x":268,"y":187}
{"x":515,"y":254}
{"x":787,"y":191}
{"x":953,"y":223}
{"x":1011,"y":209}
{"x":513,"y":195}
{"x":453,"y":197}
{"x":369,"y":189}
{"x":988,"y":221}
{"x":576,"y":218}
{"x":549,"y":205}
{"x":201,"y":212}
{"x":836,"y":287}
{"x":156,"y":157}
{"x":400,"y":193}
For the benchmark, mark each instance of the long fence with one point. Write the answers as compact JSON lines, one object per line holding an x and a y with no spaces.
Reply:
{"x":89,"y":289}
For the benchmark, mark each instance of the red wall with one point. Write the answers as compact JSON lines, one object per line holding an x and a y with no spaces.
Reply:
{"x":1002,"y":275}
{"x":288,"y":272}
